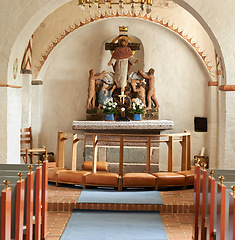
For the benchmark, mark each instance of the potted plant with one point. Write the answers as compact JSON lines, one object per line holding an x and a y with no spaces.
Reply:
{"x":137,"y":109}
{"x":109,"y":108}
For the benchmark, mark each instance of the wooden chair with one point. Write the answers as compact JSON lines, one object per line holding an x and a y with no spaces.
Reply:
{"x":26,"y":139}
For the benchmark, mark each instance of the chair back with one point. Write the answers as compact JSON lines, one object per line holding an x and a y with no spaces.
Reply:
{"x":26,"y":137}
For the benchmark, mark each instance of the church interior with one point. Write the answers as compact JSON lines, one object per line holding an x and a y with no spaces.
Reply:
{"x":117,"y":119}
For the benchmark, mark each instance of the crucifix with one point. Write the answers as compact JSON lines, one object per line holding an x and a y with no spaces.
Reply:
{"x":122,"y":58}
{"x":122,"y":97}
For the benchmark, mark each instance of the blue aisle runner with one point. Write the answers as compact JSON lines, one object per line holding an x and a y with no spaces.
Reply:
{"x":110,"y":225}
{"x":124,"y":197}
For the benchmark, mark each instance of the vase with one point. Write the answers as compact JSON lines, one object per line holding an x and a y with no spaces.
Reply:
{"x":109,"y":117}
{"x":137,"y":117}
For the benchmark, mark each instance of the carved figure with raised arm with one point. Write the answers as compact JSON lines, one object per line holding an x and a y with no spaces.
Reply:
{"x":151,"y":95}
{"x":91,"y":89}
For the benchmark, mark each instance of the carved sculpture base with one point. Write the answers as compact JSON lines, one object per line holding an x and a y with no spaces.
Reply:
{"x":98,"y":115}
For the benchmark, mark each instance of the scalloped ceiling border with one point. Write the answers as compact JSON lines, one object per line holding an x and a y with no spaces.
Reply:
{"x":163,"y":23}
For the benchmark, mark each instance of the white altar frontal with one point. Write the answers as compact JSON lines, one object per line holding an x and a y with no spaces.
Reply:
{"x":135,"y":137}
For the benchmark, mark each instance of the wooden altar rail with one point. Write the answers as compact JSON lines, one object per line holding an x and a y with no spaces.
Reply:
{"x":211,"y":222}
{"x":62,"y":137}
{"x":183,"y":138}
{"x":13,"y":207}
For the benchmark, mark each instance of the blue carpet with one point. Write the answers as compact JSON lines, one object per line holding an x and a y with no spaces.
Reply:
{"x":124,"y":197}
{"x":106,"y":225}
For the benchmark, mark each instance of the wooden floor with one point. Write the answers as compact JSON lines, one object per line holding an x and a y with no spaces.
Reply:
{"x":176,"y":211}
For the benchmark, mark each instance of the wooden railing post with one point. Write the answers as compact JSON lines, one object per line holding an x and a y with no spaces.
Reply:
{"x":121,"y":155}
{"x":6,"y":214}
{"x":38,"y":203}
{"x":148,"y":159}
{"x":19,"y":212}
{"x":44,"y":197}
{"x":60,"y":149}
{"x":188,"y":141}
{"x":211,"y":206}
{"x":196,"y":201}
{"x":203,"y":203}
{"x":221,"y":205}
{"x":95,"y":151}
{"x":184,"y":153}
{"x":74,"y":152}
{"x":231,"y":221}
{"x":29,"y":212}
{"x":170,"y":154}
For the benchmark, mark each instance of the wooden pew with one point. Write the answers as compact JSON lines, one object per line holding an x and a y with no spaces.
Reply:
{"x":231,"y":228}
{"x":197,"y":177}
{"x":38,"y":203}
{"x":29,"y":201}
{"x":211,"y":206}
{"x":19,"y":213}
{"x":5,"y":230}
{"x":213,"y":211}
{"x":205,"y":197}
{"x":40,"y":195}
{"x":13,"y":184}
{"x":202,"y":200}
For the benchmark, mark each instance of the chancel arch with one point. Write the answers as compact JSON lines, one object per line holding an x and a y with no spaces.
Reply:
{"x":32,"y":20}
{"x":65,"y":76}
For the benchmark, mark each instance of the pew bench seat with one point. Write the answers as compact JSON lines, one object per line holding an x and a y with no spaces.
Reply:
{"x":71,"y":177}
{"x":169,"y":179}
{"x":52,"y":172}
{"x":138,"y":180}
{"x":189,"y":176}
{"x":101,"y":179}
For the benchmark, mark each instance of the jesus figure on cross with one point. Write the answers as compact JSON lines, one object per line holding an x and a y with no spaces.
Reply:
{"x":122,"y":59}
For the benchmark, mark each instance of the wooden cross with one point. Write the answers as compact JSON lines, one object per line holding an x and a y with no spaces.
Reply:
{"x":110,"y":46}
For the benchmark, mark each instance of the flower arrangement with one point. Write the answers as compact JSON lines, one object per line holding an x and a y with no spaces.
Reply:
{"x":137,"y":107}
{"x":109,"y":106}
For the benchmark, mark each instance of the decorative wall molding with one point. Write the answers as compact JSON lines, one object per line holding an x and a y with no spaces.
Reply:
{"x":27,"y":59}
{"x":128,"y":14}
{"x":212,"y":83}
{"x":227,"y":87}
{"x":10,"y":86}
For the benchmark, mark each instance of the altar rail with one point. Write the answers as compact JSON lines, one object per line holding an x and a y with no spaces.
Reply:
{"x":183,"y":138}
{"x":214,"y":208}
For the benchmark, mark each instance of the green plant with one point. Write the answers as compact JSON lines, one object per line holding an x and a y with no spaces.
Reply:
{"x":109,"y":106}
{"x":137,"y":107}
